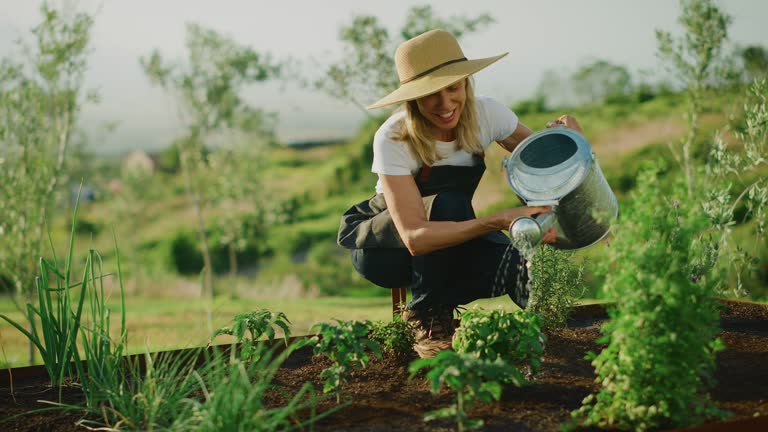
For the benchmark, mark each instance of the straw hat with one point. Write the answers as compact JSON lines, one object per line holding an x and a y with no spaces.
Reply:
{"x":429,"y":63}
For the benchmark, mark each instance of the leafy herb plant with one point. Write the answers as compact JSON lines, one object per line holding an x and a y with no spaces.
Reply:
{"x":395,"y":338}
{"x":557,"y":284}
{"x":257,"y":323}
{"x":513,"y":337}
{"x":347,"y":345}
{"x":472,"y":378}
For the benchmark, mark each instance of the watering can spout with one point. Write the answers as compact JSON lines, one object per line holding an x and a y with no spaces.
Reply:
{"x":527,"y":233}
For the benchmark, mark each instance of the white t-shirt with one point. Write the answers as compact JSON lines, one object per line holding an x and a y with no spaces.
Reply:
{"x":392,"y":157}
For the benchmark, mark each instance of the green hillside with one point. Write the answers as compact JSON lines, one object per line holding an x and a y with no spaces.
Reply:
{"x":313,"y":185}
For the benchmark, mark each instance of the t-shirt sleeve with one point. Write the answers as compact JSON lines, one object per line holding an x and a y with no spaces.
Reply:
{"x":391,"y":157}
{"x":500,"y":120}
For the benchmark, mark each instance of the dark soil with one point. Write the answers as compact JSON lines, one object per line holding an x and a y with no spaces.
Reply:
{"x":383,"y":399}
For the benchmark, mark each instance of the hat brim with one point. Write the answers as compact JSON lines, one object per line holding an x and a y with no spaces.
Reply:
{"x":435,"y":81}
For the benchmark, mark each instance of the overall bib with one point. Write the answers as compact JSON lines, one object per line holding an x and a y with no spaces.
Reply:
{"x":450,"y":276}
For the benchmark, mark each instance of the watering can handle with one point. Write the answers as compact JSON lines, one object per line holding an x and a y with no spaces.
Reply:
{"x":546,"y":203}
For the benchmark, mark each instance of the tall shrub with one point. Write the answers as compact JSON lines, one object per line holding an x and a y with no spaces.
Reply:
{"x":660,"y":358}
{"x":670,"y":258}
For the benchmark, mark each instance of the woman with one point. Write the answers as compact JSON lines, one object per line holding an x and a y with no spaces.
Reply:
{"x":420,"y":230}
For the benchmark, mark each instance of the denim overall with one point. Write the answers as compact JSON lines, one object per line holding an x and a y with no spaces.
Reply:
{"x":452,"y":276}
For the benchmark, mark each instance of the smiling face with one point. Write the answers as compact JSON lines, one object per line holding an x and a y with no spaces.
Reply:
{"x":443,"y":110}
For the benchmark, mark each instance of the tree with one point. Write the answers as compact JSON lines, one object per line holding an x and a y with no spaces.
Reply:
{"x":209,"y":104}
{"x":367,"y":69}
{"x":237,"y":189}
{"x":553,"y":89}
{"x":596,"y":81}
{"x":755,"y":59}
{"x":694,"y":60}
{"x":41,"y":95}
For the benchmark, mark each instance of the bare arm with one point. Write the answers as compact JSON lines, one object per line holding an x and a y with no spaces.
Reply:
{"x":422,"y":236}
{"x":521,"y":132}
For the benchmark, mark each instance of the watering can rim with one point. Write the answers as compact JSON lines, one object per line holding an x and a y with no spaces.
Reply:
{"x":513,"y":162}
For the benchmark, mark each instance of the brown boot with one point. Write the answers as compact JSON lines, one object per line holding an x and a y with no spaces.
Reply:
{"x":433,"y":328}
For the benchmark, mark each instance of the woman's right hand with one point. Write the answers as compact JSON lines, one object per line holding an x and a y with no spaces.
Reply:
{"x":506,"y":217}
{"x":566,"y":120}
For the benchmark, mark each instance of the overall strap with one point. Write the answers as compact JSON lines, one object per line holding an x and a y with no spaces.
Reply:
{"x":426,"y":170}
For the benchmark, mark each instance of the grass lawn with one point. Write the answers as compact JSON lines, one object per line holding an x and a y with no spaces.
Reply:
{"x":170,"y":323}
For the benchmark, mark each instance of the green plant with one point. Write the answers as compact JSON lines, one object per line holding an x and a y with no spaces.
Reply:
{"x":56,"y":339}
{"x":103,"y":354}
{"x":472,"y":378}
{"x":347,"y":345}
{"x":395,"y":338}
{"x":669,"y":259}
{"x":557,"y":284}
{"x":233,"y":395}
{"x":660,"y":358}
{"x":513,"y":337}
{"x":740,"y":168}
{"x":697,"y":61}
{"x":327,"y":268}
{"x":671,"y":256}
{"x":257,"y":323}
{"x":147,"y":392}
{"x":599,"y":81}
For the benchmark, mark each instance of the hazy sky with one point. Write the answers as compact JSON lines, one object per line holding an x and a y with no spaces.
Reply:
{"x":540,"y":35}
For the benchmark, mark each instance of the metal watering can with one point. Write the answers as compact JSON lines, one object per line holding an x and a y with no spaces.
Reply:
{"x":556,"y":167}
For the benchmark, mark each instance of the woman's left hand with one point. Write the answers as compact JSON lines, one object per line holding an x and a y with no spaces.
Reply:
{"x":566,"y":120}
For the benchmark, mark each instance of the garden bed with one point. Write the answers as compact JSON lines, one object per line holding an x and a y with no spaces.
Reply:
{"x":383,"y":399}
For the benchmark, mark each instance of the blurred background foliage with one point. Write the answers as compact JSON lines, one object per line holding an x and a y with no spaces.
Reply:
{"x":262,"y":214}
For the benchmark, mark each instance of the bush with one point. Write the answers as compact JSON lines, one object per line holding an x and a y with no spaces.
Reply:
{"x":6,"y":284}
{"x":329,"y":268}
{"x":185,"y":256}
{"x":660,"y":359}
{"x":87,"y":227}
{"x":531,"y":106}
{"x":169,"y":161}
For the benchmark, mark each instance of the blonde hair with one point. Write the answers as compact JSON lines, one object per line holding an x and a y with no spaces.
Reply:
{"x":417,"y":131}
